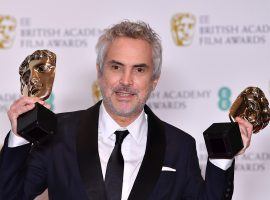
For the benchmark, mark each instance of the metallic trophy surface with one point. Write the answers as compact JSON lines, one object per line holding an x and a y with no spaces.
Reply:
{"x":37,"y":73}
{"x":223,"y":140}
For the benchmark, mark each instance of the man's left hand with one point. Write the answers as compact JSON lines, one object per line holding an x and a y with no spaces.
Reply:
{"x":246,"y":133}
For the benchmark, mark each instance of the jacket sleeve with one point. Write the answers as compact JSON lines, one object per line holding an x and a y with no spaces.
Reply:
{"x":218,"y":183}
{"x":22,"y":172}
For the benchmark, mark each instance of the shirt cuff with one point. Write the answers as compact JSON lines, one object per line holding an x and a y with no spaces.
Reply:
{"x":15,"y":141}
{"x":222,"y":163}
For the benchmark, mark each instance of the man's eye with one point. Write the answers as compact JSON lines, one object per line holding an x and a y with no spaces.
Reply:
{"x":115,"y":67}
{"x":140,"y":69}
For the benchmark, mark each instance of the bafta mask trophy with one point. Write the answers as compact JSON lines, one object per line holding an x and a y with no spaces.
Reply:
{"x":223,"y":140}
{"x":37,"y":73}
{"x":183,"y":28}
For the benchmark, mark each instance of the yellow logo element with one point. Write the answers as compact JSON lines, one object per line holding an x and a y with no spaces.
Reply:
{"x":7,"y":31}
{"x":183,"y":28}
{"x":96,"y":94}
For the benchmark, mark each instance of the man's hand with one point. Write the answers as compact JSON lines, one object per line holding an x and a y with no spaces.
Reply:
{"x":21,"y":106}
{"x":246,"y":133}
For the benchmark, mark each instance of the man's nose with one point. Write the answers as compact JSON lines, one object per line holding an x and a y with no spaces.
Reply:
{"x":127,"y":78}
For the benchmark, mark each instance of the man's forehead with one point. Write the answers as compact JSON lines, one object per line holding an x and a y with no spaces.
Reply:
{"x":139,"y":64}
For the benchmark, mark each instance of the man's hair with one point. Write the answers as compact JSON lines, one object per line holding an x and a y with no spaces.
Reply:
{"x":135,"y":30}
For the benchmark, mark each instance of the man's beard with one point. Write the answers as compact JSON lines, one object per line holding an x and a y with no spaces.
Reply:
{"x":134,"y":110}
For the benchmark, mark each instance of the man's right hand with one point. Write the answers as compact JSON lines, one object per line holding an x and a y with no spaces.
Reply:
{"x":21,"y":106}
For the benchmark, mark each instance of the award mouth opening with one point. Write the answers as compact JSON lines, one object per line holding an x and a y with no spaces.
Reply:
{"x":34,"y":91}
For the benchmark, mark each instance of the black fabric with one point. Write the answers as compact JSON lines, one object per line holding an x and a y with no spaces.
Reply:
{"x":115,"y":168}
{"x":150,"y":170}
{"x":69,"y":165}
{"x":86,"y":138}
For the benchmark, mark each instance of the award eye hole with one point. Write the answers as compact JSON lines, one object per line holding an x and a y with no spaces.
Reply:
{"x":42,"y":68}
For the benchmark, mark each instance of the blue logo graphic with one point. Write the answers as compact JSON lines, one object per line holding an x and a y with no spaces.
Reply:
{"x":51,"y":101}
{"x":224,"y":102}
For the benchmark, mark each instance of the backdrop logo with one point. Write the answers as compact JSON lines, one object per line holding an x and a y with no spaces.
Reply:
{"x":183,"y":28}
{"x":96,"y":94}
{"x":224,"y":95}
{"x":51,"y":101}
{"x":7,"y":31}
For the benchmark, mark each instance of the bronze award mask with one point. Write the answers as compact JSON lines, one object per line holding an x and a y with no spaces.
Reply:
{"x":37,"y":73}
{"x":253,"y":106}
{"x":223,"y":140}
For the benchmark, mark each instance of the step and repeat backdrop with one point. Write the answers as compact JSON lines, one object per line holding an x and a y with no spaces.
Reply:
{"x":212,"y":51}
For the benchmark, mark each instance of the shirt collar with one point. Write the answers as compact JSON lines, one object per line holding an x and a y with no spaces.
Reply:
{"x":107,"y":126}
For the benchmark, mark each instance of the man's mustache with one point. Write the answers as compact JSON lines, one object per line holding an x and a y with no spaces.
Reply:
{"x":125,"y":89}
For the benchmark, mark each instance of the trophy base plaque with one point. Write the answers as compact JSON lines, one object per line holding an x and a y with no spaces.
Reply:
{"x":223,"y":140}
{"x":37,"y":125}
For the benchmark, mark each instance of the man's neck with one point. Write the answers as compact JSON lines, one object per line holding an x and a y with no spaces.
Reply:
{"x":123,"y":121}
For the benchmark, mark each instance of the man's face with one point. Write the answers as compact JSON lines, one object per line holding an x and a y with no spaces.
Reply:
{"x":37,"y":79}
{"x":7,"y":31}
{"x":126,"y":79}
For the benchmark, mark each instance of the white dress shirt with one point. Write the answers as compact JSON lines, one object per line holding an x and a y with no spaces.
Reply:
{"x":133,"y":147}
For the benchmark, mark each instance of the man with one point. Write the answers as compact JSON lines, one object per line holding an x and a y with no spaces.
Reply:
{"x":117,"y":148}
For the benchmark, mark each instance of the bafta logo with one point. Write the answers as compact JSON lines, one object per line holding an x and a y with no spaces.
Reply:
{"x":7,"y":31}
{"x":183,"y":28}
{"x":96,"y":94}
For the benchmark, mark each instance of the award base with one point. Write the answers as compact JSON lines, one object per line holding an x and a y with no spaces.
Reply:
{"x":37,"y":124}
{"x":223,"y":140}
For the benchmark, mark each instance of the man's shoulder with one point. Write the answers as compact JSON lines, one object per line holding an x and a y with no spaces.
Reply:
{"x":75,"y":116}
{"x":171,"y":132}
{"x":69,"y":115}
{"x":176,"y":134}
{"x":179,"y":144}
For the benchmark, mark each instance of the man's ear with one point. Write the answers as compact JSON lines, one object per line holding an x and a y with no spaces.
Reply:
{"x":98,"y":71}
{"x":155,"y":82}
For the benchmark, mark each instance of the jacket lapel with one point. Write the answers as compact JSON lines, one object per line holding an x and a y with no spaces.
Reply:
{"x":89,"y":161}
{"x":153,"y":159}
{"x":87,"y":154}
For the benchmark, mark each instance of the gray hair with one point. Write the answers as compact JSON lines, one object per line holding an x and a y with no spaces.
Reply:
{"x":135,"y":30}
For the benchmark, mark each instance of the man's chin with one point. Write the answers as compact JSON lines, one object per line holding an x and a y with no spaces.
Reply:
{"x":126,"y":111}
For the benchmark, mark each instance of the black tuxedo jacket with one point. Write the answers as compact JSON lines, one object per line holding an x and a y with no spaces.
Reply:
{"x":69,"y":165}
